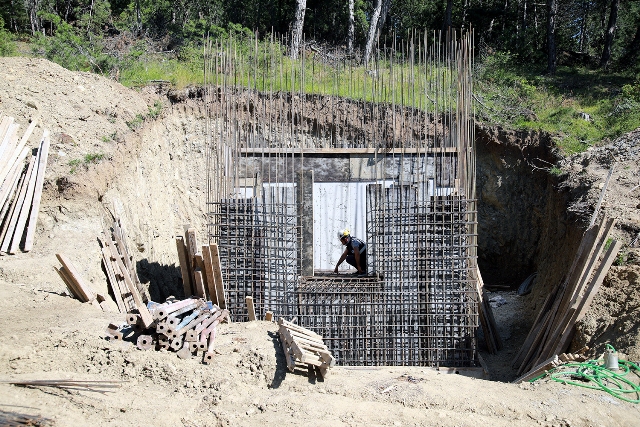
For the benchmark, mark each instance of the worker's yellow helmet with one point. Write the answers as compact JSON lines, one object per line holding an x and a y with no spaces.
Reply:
{"x":344,"y":233}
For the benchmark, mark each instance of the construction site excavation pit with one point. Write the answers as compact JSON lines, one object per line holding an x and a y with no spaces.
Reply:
{"x":287,"y":172}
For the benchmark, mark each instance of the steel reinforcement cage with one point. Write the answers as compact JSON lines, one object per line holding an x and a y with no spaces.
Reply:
{"x":419,"y":304}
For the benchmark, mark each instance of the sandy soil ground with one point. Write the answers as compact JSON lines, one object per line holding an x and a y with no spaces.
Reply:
{"x":151,"y":176}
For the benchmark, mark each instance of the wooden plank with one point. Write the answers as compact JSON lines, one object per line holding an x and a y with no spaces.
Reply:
{"x":4,"y":125}
{"x":199,"y":267}
{"x":17,"y":153}
{"x":192,"y":247}
{"x":567,"y":308}
{"x":300,"y":329}
{"x":332,"y":151}
{"x":208,"y":268}
{"x":199,"y":283}
{"x":84,"y":290}
{"x":184,"y":266}
{"x":538,"y":370}
{"x":533,"y":344}
{"x":8,"y":143}
{"x":37,"y":197}
{"x":25,"y":211}
{"x":145,"y":316}
{"x":113,"y":281}
{"x":120,"y":239}
{"x":16,"y":172}
{"x":5,"y":137}
{"x":15,"y":179}
{"x":62,"y":272}
{"x":535,"y":327}
{"x":583,"y":305}
{"x":217,"y":275}
{"x":287,"y":353}
{"x":495,"y":335}
{"x":124,"y":290}
{"x":306,"y":338}
{"x":18,"y":202}
{"x":250,"y":308}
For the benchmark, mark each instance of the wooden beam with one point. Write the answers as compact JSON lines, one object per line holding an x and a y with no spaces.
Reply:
{"x":35,"y":209}
{"x":245,"y":152}
{"x":8,"y":232}
{"x":184,"y":266}
{"x":250,"y":308}
{"x":208,"y":270}
{"x":84,"y":290}
{"x":25,"y":211}
{"x":217,"y":275}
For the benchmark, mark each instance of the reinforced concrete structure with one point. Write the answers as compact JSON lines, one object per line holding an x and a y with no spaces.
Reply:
{"x":391,"y":156}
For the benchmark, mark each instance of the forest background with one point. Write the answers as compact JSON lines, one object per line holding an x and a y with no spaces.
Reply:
{"x":569,"y":67}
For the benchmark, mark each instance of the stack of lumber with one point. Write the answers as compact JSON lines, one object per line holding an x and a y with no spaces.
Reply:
{"x":186,"y":327}
{"x":200,"y":268}
{"x":20,"y":185}
{"x":130,"y":295}
{"x":77,"y":286}
{"x":301,"y":345}
{"x":553,"y":329}
{"x":485,"y":313}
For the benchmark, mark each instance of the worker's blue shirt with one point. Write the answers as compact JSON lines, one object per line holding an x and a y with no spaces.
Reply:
{"x":354,"y":242}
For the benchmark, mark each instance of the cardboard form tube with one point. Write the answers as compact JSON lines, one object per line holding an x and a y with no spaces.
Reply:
{"x":133,"y":319}
{"x":165,"y":311}
{"x":145,"y":342}
{"x":185,"y":352}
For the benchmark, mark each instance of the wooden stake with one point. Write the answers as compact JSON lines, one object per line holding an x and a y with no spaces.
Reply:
{"x":33,"y":219}
{"x":250,"y":309}
{"x":184,"y":266}
{"x":217,"y":275}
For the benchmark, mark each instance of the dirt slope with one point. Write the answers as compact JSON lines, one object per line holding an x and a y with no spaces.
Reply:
{"x":152,"y":175}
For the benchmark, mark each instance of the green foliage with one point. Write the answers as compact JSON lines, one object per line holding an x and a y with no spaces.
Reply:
{"x":88,"y":159}
{"x":7,"y":47}
{"x":580,"y":107}
{"x":71,"y":49}
{"x":93,"y":158}
{"x":154,"y":112}
{"x":74,"y":165}
{"x":555,"y":171}
{"x":136,"y":122}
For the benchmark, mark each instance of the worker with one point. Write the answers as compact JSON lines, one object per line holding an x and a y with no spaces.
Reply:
{"x":355,"y":252}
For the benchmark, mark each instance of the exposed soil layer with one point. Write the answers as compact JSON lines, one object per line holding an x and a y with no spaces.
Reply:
{"x":151,"y":173}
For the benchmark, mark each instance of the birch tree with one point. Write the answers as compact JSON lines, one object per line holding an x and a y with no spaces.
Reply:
{"x":296,"y":30}
{"x":352,"y":28}
{"x":378,"y":19}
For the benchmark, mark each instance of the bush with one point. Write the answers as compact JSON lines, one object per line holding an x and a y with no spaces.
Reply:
{"x":71,"y":50}
{"x":7,"y":47}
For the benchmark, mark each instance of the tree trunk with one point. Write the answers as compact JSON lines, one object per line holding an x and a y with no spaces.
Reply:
{"x":296,"y":28}
{"x":552,"y":10}
{"x":352,"y":28}
{"x":375,"y":28}
{"x":373,"y":25}
{"x":608,"y":37}
{"x":31,"y":7}
{"x":138,"y":18}
{"x":447,"y":17}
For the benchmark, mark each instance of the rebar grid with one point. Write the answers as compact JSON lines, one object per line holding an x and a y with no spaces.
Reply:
{"x":421,"y":212}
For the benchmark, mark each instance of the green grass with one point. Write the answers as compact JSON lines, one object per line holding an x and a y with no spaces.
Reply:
{"x":508,"y":95}
{"x":91,"y":158}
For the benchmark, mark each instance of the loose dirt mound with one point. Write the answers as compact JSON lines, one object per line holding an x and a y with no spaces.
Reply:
{"x":152,"y":175}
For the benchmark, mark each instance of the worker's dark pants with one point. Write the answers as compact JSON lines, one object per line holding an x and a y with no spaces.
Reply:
{"x":351,"y":260}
